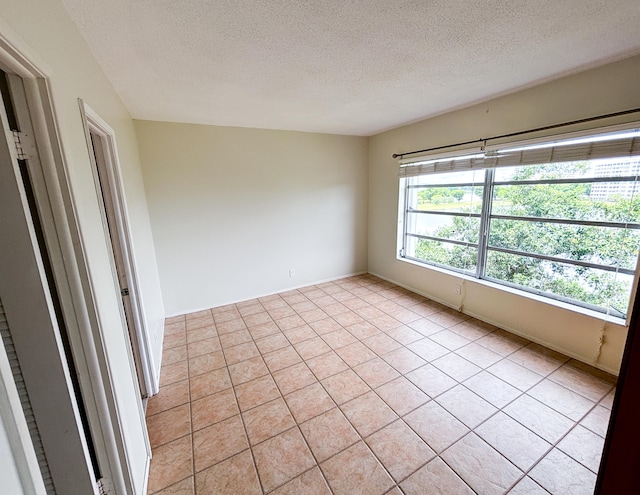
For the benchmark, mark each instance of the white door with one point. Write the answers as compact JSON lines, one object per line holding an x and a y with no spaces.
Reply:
{"x":37,"y":329}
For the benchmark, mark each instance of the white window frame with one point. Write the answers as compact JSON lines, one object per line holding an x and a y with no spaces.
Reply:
{"x":469,"y":159}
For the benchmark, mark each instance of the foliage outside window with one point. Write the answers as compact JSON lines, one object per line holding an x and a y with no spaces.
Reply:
{"x":567,"y":230}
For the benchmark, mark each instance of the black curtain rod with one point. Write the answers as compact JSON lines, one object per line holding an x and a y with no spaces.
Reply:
{"x":519,"y":133}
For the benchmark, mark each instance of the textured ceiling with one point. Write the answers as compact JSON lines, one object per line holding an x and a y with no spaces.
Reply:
{"x":340,"y":66}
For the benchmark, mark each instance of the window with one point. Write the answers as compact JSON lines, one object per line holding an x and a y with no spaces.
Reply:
{"x":560,"y":218}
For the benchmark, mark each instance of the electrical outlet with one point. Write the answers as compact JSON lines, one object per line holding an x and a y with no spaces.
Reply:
{"x":292,"y":272}
{"x":458,"y":289}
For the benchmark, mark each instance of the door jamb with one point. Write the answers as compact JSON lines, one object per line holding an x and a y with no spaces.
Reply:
{"x":93,"y":123}
{"x":67,"y":250}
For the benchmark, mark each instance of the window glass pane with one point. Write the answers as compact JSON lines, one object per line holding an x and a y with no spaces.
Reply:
{"x":597,"y":202}
{"x":587,"y":285}
{"x":592,"y":244}
{"x":464,"y":198}
{"x":468,"y":177}
{"x":443,"y":253}
{"x":611,"y":167}
{"x":464,"y":229}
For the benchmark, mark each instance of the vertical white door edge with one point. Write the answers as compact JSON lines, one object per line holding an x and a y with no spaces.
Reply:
{"x":94,"y":124}
{"x":57,"y":206}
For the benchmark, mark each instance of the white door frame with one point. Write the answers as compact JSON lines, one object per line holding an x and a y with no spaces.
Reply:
{"x":57,"y":207}
{"x":140,"y":341}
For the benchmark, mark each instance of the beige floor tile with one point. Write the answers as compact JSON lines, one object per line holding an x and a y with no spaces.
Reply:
{"x":402,"y":395}
{"x":247,"y":370}
{"x":325,"y":325}
{"x":345,"y":386}
{"x":282,"y":358}
{"x":355,"y":354}
{"x":326,"y":365}
{"x":174,"y":355}
{"x":173,"y":373}
{"x":264,"y":330}
{"x":368,"y":413}
{"x":213,"y":408}
{"x":540,"y":419}
{"x":300,"y":334}
{"x":456,"y":367}
{"x":376,"y":372}
{"x":293,"y":378}
{"x":240,"y":352}
{"x":235,"y":476}
{"x":328,"y":434}
{"x":427,"y":349}
{"x":172,"y":462}
{"x":563,"y":400}
{"x":230,"y":339}
{"x":201,"y":333}
{"x":584,"y":446}
{"x":205,"y":346}
{"x":478,"y":355}
{"x":480,"y":466}
{"x":492,"y":389}
{"x":311,"y":348}
{"x":205,"y":363}
{"x":560,"y":475}
{"x":526,"y":486}
{"x":440,"y":479}
{"x":169,"y":425}
{"x":309,"y":402}
{"x":356,"y":471}
{"x":260,"y":381}
{"x":183,"y":487}
{"x":403,"y":360}
{"x":169,"y":397}
{"x":218,"y":442}
{"x":282,"y":458}
{"x":267,"y":420}
{"x":436,"y":426}
{"x":597,"y":420}
{"x":272,"y":342}
{"x":425,"y":326}
{"x":399,"y":449}
{"x":514,"y":374}
{"x":518,"y":444}
{"x":431,"y":380}
{"x":256,"y":392}
{"x":311,"y":482}
{"x":209,"y":383}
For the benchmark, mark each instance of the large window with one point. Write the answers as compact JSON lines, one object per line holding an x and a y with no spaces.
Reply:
{"x":560,"y":219}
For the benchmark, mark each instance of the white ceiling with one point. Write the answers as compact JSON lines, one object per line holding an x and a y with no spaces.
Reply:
{"x":341,"y":66}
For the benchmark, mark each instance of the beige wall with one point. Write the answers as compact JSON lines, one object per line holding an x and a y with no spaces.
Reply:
{"x":234,"y":209}
{"x":600,"y":91}
{"x":47,"y":36}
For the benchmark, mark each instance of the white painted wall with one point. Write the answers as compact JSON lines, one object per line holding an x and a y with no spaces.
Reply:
{"x":233,"y":209}
{"x":600,"y":91}
{"x":49,"y":38}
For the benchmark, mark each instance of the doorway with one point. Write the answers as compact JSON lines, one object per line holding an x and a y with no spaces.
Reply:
{"x":103,"y":152}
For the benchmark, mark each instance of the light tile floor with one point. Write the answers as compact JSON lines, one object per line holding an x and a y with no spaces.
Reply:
{"x":361,"y":387}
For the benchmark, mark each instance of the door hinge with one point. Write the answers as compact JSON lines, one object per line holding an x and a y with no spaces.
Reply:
{"x":124,"y":292}
{"x":25,"y":146}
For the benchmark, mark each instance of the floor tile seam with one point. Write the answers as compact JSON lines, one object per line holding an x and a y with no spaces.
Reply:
{"x":612,"y":387}
{"x":400,"y":418}
{"x":147,"y":416}
{"x":174,"y":483}
{"x":487,"y":369}
{"x":193,"y":451}
{"x":557,"y":443}
{"x":297,"y":425}
{"x":594,"y":403}
{"x":522,"y":475}
{"x":246,"y":433}
{"x":439,"y":456}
